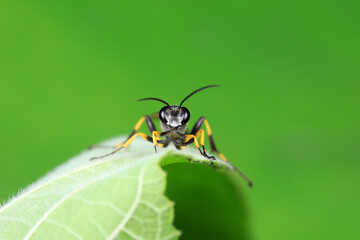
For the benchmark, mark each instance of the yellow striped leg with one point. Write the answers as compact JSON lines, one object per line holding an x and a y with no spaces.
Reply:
{"x":124,"y":145}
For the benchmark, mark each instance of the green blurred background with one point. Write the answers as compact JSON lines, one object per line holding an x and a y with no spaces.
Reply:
{"x":287,"y":113}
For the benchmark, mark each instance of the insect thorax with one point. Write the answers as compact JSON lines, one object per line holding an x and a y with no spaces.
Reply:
{"x":181,"y":129}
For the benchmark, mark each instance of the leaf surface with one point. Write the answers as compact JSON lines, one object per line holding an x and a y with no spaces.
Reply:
{"x":118,"y":197}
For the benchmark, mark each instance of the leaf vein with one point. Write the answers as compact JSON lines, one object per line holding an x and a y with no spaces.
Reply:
{"x":133,"y":207}
{"x":66,"y":228}
{"x":69,"y":195}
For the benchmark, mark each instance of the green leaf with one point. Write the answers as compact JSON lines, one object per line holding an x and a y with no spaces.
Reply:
{"x":118,"y":197}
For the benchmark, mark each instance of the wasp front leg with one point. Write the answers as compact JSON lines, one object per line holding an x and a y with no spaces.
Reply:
{"x":201,"y":134}
{"x":197,"y":131}
{"x":194,"y":139}
{"x":131,"y":136}
{"x":125,"y":144}
{"x":149,"y":124}
{"x":156,"y":139}
{"x":137,"y":126}
{"x":197,"y":128}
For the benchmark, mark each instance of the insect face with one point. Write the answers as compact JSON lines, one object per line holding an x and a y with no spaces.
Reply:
{"x":174,"y":116}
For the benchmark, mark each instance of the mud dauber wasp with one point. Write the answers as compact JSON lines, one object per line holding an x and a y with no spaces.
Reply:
{"x":174,"y":122}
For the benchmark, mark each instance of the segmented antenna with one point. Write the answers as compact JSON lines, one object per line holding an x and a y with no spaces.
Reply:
{"x":156,"y":99}
{"x":197,"y":91}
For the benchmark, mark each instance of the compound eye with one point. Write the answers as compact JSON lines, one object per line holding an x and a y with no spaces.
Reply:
{"x":186,"y":115}
{"x":162,"y":114}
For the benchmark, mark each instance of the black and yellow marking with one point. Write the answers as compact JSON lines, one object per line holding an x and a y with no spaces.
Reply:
{"x":134,"y":134}
{"x":128,"y":142}
{"x":156,"y":138}
{"x":192,"y":136}
{"x":212,"y":142}
{"x":125,"y":144}
{"x":149,"y":124}
{"x":201,"y":134}
{"x":196,"y":129}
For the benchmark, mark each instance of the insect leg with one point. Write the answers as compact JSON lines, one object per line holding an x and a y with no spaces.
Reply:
{"x":156,"y":138}
{"x":149,"y":124}
{"x":126,"y":144}
{"x":192,"y":138}
{"x":197,"y":127}
{"x":201,"y":134}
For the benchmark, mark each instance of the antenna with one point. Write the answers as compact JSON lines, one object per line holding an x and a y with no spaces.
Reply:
{"x":197,"y":91}
{"x":156,"y":99}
